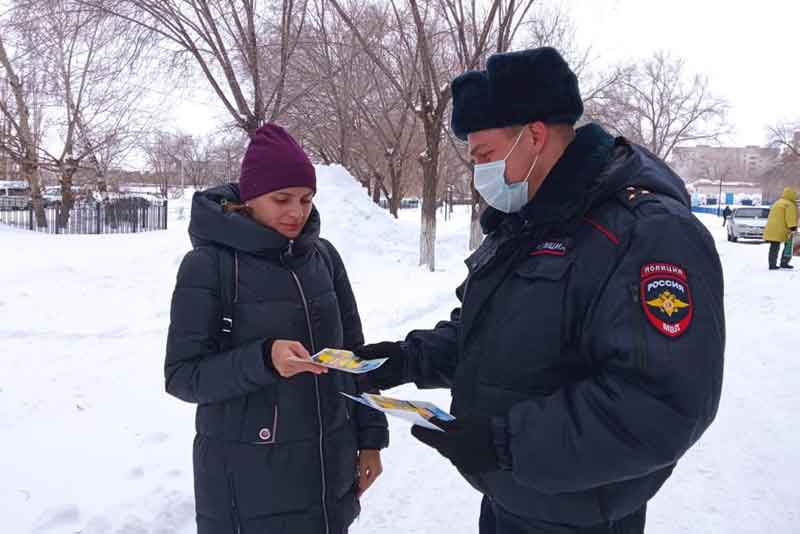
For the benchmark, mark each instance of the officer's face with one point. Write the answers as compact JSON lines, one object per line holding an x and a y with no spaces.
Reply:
{"x":487,"y":146}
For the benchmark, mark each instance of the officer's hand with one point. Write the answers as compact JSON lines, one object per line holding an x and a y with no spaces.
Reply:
{"x":285,"y":354}
{"x":388,"y":375}
{"x":468,"y":443}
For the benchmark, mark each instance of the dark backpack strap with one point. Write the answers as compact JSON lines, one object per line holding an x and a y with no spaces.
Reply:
{"x":324,"y":249}
{"x":229,"y":293}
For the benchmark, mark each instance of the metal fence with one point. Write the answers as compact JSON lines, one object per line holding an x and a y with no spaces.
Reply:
{"x":120,"y":216}
{"x":713,"y":210}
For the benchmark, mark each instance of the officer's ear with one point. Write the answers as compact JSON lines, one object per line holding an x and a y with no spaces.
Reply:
{"x":539,"y":133}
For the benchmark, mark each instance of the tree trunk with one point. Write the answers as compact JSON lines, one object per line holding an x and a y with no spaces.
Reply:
{"x":25,"y":137}
{"x":29,"y":173}
{"x":67,"y":197}
{"x":376,"y":193}
{"x":397,"y":191}
{"x":427,"y":238}
{"x":100,"y":184}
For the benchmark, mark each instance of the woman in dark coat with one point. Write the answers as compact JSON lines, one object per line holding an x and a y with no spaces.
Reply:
{"x":278,"y":449}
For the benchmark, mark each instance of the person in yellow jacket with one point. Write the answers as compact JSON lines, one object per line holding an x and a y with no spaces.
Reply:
{"x":780,"y":225}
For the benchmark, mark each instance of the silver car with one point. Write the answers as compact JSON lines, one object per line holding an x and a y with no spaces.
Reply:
{"x":747,"y":223}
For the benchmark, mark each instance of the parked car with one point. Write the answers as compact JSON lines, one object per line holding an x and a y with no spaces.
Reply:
{"x":14,"y":195}
{"x":409,"y":203}
{"x":747,"y":223}
{"x":51,"y":196}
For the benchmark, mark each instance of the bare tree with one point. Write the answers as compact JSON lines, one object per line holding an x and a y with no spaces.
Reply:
{"x":657,"y":104}
{"x":243,"y":51}
{"x":433,"y":36}
{"x":224,"y":152}
{"x":179,"y":159}
{"x":324,"y":120}
{"x":20,"y":140}
{"x":786,"y":136}
{"x":89,"y":61}
{"x":357,"y":118}
{"x":785,"y":173}
{"x":160,"y":150}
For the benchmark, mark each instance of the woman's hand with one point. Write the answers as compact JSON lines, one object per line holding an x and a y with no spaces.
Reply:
{"x":285,"y":356}
{"x":369,"y":469}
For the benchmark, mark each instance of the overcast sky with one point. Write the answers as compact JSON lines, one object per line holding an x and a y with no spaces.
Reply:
{"x":747,"y":49}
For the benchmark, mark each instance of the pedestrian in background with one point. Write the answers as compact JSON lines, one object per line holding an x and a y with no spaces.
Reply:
{"x":780,"y":225}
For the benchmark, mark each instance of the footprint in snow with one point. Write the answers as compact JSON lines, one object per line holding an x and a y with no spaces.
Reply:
{"x":156,"y":438}
{"x":132,"y":525}
{"x":178,"y":512}
{"x":136,"y":472}
{"x":57,"y":517}
{"x":97,"y":525}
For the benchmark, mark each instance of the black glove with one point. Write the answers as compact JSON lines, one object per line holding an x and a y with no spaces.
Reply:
{"x":388,"y":375}
{"x":468,"y":443}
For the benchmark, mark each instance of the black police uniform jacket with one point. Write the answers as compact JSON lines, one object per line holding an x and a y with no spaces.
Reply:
{"x":591,"y":331}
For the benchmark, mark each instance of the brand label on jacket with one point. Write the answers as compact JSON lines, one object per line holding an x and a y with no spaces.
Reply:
{"x":551,"y":247}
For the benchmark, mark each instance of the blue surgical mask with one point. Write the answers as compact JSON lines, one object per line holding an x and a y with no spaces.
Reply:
{"x":490,"y":181}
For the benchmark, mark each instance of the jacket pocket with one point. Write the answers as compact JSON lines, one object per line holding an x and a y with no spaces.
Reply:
{"x":522,"y":340}
{"x":281,"y":479}
{"x":254,"y":418}
{"x":544,"y":268}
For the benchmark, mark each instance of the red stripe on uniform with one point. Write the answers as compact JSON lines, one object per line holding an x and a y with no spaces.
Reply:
{"x":603,"y":230}
{"x":548,"y":252}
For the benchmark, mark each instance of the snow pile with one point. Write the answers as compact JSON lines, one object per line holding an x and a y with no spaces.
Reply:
{"x":364,"y":233}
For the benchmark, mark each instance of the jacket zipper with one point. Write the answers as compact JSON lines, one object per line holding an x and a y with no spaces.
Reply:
{"x":316,"y":391}
{"x":638,"y":331}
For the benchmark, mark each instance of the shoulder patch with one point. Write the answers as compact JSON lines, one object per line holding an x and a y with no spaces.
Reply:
{"x":666,"y":298}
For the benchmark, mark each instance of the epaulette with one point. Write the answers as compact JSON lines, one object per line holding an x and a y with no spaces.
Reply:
{"x":632,"y":197}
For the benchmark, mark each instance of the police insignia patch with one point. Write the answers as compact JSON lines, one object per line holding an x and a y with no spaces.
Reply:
{"x":666,"y":298}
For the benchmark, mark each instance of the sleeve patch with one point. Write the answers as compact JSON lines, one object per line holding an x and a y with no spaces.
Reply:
{"x":666,"y":298}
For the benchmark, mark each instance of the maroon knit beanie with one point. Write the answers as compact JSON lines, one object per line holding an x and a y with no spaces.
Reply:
{"x":274,"y":161}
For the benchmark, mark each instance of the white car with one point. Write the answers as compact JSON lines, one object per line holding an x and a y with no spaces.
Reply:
{"x":747,"y":222}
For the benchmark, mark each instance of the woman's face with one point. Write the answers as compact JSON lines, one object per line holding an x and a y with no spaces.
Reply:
{"x":285,"y":210}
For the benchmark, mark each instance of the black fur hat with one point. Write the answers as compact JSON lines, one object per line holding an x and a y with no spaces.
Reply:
{"x":472,"y":110}
{"x":516,"y":88}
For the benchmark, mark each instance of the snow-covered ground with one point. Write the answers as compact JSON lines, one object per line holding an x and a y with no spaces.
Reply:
{"x":91,"y":444}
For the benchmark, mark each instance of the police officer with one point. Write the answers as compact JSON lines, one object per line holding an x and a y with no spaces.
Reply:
{"x":586,"y":357}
